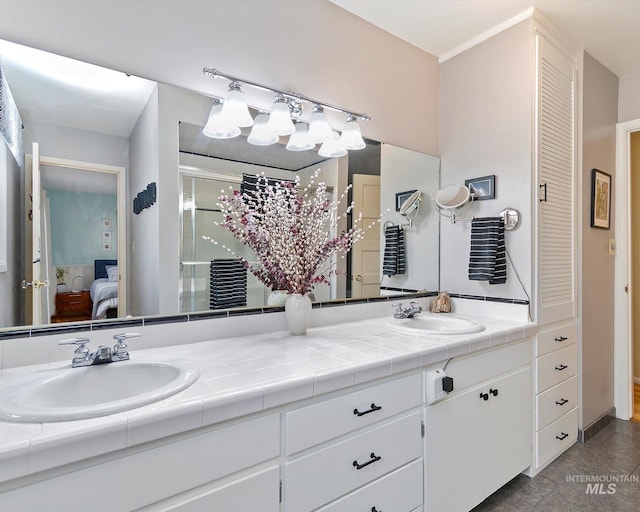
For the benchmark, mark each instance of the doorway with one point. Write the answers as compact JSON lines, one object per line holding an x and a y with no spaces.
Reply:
{"x":69,"y":215}
{"x":627,"y":274}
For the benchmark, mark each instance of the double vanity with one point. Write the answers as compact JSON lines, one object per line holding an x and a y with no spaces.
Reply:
{"x":338,"y":420}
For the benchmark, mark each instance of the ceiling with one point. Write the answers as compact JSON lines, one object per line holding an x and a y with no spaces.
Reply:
{"x":606,"y":29}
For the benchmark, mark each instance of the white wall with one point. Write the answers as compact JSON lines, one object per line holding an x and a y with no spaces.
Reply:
{"x":486,"y":128}
{"x":310,"y":46}
{"x":600,"y":101}
{"x":144,"y":228}
{"x":403,"y":170}
{"x":628,"y":98}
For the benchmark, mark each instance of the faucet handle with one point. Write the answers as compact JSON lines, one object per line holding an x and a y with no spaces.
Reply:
{"x":82,"y":352}
{"x":398,"y":307}
{"x":120,"y":348}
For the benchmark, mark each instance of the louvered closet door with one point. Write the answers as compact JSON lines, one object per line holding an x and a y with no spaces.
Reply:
{"x":555,"y":152}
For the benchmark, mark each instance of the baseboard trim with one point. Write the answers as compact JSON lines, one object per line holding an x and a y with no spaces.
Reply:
{"x":587,"y":433}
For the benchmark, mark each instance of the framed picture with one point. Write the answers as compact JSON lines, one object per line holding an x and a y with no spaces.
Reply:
{"x":483,"y":188}
{"x":106,"y":246}
{"x":401,"y":197}
{"x":600,"y":199}
{"x":106,"y":223}
{"x":106,"y":235}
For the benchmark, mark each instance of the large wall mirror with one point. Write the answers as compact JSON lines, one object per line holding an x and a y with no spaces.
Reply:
{"x":94,"y":139}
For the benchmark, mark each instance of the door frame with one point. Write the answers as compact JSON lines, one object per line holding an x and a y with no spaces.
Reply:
{"x":623,"y":301}
{"x":121,"y":224}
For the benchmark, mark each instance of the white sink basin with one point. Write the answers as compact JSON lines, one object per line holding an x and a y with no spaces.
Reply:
{"x":431,"y":323}
{"x":90,"y":391}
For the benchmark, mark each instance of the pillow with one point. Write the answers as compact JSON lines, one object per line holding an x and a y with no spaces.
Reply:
{"x":112,"y":272}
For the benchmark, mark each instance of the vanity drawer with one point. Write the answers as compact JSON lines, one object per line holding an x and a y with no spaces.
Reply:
{"x":322,"y":476}
{"x":555,"y":367}
{"x":326,"y":420}
{"x":551,"y":340}
{"x":255,"y":492}
{"x":400,"y":491}
{"x":556,"y":437}
{"x":556,"y":401}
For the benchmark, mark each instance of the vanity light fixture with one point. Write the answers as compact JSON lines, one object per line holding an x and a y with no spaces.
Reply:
{"x":280,"y":122}
{"x":235,"y":111}
{"x":215,"y":127}
{"x":351,"y":137}
{"x":299,"y":140}
{"x":260,"y":134}
{"x":287,"y":107}
{"x":332,"y":148}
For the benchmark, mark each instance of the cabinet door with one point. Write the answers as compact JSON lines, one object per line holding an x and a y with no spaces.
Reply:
{"x":509,"y":434}
{"x":555,"y":163}
{"x":455,"y":453}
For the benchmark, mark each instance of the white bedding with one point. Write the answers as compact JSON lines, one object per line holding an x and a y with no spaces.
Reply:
{"x":104,"y":294}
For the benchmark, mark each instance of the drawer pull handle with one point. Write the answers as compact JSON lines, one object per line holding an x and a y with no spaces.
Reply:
{"x":561,"y":367}
{"x":562,"y":436}
{"x":484,"y":396}
{"x":562,"y":401}
{"x":374,"y":458}
{"x":561,"y":338}
{"x":373,"y":406}
{"x":494,"y":392}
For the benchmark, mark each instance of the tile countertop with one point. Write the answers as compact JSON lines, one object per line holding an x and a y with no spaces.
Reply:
{"x":242,"y":376}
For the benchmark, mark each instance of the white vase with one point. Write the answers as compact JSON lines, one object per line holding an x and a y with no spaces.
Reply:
{"x":277,"y":298}
{"x":297,"y":310}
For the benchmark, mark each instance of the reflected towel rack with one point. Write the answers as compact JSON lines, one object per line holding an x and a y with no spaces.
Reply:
{"x":510,"y":217}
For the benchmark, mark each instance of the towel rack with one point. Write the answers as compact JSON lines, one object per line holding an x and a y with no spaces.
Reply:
{"x":510,"y":217}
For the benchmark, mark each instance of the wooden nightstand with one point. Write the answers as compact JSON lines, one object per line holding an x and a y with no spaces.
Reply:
{"x":72,"y":307}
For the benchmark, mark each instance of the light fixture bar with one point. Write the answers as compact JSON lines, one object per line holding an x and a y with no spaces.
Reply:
{"x":214,"y":73}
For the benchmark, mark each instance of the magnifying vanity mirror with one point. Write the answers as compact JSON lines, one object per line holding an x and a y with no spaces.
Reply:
{"x":101,"y":143}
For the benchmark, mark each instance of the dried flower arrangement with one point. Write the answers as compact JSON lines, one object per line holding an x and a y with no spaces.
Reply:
{"x":290,"y":231}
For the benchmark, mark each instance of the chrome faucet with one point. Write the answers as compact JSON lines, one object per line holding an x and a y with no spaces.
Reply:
{"x":413,"y":310}
{"x":82,"y":356}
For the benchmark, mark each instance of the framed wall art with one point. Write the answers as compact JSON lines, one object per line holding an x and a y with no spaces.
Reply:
{"x":600,"y":199}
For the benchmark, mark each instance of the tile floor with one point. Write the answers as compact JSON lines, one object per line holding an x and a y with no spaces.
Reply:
{"x":612,"y":452}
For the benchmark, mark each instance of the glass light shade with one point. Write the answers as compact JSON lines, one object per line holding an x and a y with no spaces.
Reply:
{"x":299,"y":140}
{"x":319,"y":129}
{"x":235,"y":111}
{"x":332,"y":148}
{"x":280,"y":121}
{"x":351,"y":137}
{"x":215,"y":128}
{"x":260,"y":134}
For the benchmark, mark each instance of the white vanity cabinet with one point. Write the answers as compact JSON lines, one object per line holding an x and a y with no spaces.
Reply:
{"x":479,"y":437}
{"x":556,"y":393}
{"x":363,"y":449}
{"x":150,"y":474}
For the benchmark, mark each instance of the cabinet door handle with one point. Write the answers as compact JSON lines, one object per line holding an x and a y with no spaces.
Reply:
{"x":494,"y":392}
{"x":562,"y":401}
{"x":484,"y":396}
{"x":373,"y":406}
{"x":543,"y":199}
{"x":374,"y":458}
{"x":561,"y":367}
{"x":562,"y":436}
{"x":561,"y":338}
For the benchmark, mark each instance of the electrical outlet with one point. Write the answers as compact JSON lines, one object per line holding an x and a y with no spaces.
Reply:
{"x":437,"y":382}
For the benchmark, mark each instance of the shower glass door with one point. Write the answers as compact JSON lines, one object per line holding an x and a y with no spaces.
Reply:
{"x":203,"y":241}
